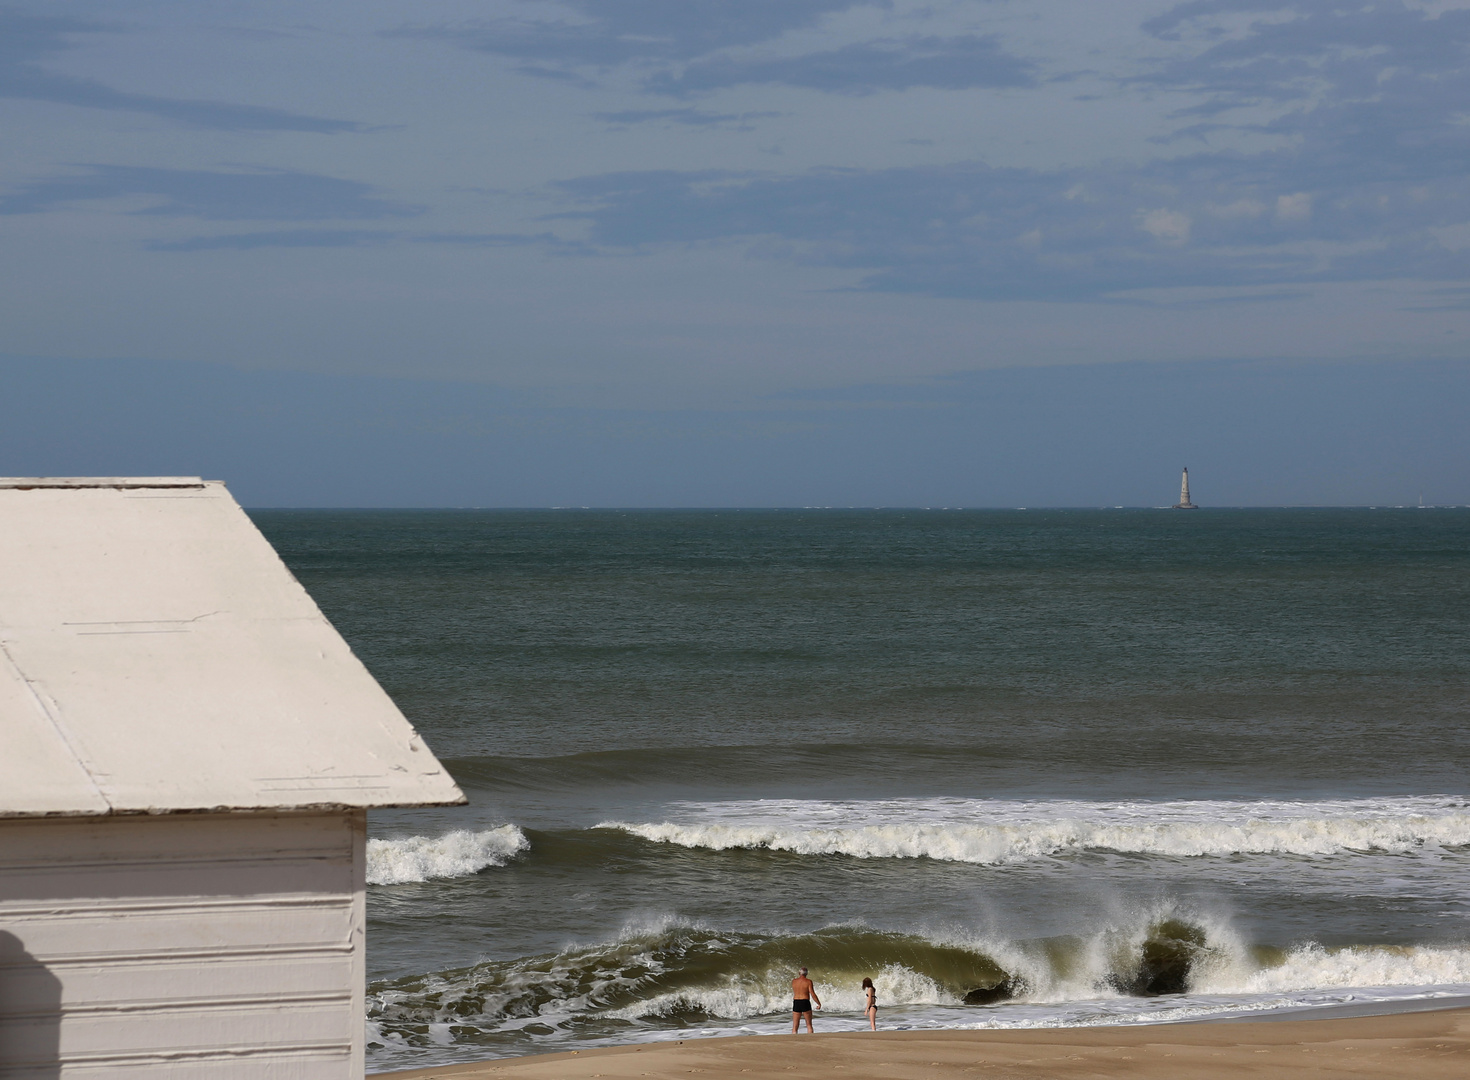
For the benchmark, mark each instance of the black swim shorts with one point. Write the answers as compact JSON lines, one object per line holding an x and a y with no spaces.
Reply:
{"x":801,"y":1005}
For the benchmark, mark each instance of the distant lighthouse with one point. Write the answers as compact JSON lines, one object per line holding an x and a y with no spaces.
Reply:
{"x":1184,"y":503}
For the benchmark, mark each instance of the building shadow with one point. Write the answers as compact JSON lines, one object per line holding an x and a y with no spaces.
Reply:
{"x":30,"y":1014}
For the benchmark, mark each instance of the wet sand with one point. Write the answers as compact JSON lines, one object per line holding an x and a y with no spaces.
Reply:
{"x":1422,"y":1045}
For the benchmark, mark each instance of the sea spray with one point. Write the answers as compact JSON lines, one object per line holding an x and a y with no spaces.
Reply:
{"x":1313,"y":967}
{"x":455,"y":854}
{"x":682,"y":970}
{"x":771,"y":994}
{"x":669,"y":975}
{"x":672,"y":969}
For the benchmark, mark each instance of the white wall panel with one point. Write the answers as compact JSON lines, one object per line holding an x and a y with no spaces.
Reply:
{"x":206,"y":945}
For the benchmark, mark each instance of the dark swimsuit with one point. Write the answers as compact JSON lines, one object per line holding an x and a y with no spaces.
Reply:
{"x":801,"y":1005}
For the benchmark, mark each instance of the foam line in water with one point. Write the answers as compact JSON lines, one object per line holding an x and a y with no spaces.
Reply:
{"x":994,"y":832}
{"x":455,"y":854}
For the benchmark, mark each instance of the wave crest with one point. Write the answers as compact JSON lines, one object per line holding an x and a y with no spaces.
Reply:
{"x":455,"y":854}
{"x":675,"y":976}
{"x":771,"y":995}
{"x":1312,"y":967}
{"x":1182,"y":830}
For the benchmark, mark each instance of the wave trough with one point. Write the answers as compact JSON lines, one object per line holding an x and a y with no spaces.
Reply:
{"x":455,"y":854}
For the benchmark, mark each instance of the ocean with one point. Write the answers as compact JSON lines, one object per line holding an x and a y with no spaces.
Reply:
{"x":1022,"y":768}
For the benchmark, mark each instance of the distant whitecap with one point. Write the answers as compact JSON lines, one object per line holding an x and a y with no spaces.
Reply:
{"x":455,"y":854}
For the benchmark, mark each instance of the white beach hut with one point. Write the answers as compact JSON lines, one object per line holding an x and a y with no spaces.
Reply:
{"x":187,"y":753}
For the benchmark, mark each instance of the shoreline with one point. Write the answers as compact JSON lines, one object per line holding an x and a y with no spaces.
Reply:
{"x":1427,"y":1042}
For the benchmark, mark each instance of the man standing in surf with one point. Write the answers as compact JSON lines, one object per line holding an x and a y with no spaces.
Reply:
{"x":803,"y":997}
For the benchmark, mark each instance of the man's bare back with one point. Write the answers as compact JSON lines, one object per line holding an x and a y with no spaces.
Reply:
{"x":803,"y":997}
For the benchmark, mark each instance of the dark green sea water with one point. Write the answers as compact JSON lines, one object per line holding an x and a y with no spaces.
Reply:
{"x":1070,"y":766}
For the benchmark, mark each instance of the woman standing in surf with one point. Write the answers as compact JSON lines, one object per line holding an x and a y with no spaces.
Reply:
{"x":871,"y":1008}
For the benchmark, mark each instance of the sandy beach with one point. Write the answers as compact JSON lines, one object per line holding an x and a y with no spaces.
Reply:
{"x":1422,"y":1045}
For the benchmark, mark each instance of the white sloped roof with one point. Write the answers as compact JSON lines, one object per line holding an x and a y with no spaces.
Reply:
{"x":157,"y":656}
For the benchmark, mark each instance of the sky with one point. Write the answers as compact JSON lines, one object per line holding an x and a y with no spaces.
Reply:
{"x":740,"y":252}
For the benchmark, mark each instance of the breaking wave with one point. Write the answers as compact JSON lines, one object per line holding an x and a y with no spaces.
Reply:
{"x":995,"y":832}
{"x":1312,"y":967}
{"x":678,"y":976}
{"x":455,"y":854}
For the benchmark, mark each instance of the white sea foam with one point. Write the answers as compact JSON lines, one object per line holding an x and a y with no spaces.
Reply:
{"x":1226,"y":975}
{"x":642,"y":976}
{"x":455,"y":854}
{"x":1000,"y":831}
{"x":1223,"y":965}
{"x":742,"y":999}
{"x":1052,"y":986}
{"x":1313,"y":967}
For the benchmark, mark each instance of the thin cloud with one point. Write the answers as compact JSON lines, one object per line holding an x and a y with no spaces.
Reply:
{"x":28,"y":40}
{"x":602,"y":34}
{"x":946,"y":63}
{"x":689,"y":117}
{"x":237,"y":195}
{"x":545,"y":241}
{"x":970,"y":230}
{"x":280,"y":238}
{"x":1366,"y":182}
{"x":345,"y":238}
{"x":687,"y":45}
{"x":1383,"y":63}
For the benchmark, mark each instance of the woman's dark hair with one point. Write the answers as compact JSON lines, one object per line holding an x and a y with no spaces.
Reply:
{"x":867,"y":984}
